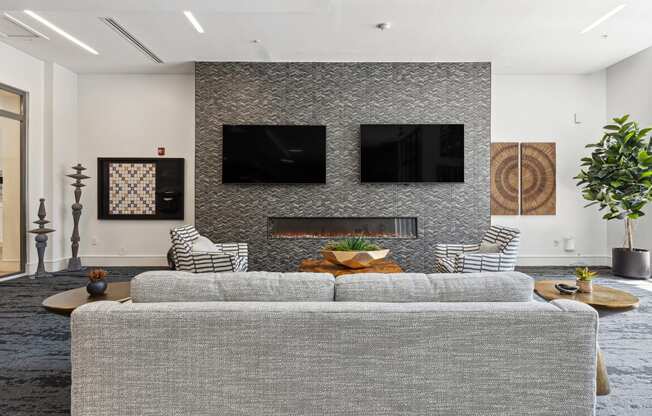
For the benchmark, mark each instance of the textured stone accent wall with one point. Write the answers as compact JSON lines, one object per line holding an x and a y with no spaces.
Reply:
{"x":341,"y":96}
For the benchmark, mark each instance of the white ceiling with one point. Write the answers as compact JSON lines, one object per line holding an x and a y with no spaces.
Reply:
{"x":518,"y":36}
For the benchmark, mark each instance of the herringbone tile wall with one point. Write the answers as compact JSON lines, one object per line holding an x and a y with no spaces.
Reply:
{"x":341,"y":96}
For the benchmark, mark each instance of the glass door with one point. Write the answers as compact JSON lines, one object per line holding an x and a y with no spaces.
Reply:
{"x":12,"y":178}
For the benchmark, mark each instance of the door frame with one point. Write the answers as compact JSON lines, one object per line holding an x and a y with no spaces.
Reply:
{"x":23,"y":119}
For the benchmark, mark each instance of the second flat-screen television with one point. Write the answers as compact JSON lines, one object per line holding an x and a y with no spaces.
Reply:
{"x":273,"y":154}
{"x":412,"y":153}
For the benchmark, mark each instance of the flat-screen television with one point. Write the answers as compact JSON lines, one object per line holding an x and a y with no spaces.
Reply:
{"x":273,"y":154}
{"x":412,"y":153}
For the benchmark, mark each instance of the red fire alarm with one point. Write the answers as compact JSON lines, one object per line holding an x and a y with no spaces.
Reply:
{"x":161,"y":151}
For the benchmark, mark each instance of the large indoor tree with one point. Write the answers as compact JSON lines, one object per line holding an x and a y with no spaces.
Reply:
{"x":618,"y":175}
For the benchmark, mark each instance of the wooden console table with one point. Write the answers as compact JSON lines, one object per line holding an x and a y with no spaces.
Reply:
{"x":323,"y":266}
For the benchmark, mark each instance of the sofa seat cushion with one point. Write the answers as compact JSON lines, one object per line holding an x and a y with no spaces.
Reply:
{"x":175,"y":286}
{"x":440,"y":287}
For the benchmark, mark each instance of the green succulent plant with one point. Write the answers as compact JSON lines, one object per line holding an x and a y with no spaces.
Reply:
{"x":351,"y":244}
{"x":584,"y":274}
{"x":617,"y":176}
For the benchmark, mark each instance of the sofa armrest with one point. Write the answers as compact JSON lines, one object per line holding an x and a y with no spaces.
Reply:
{"x":568,"y":305}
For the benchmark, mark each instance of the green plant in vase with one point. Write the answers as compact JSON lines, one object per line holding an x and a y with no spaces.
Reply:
{"x":617,"y":177}
{"x":351,"y":244}
{"x":97,"y":282}
{"x":584,"y":279}
{"x":353,"y":252}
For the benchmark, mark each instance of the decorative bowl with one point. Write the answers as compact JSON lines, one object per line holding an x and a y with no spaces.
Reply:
{"x":354,"y":259}
{"x":566,"y":289}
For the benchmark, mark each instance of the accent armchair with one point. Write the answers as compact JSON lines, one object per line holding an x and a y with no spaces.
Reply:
{"x":467,"y":258}
{"x":227,"y":257}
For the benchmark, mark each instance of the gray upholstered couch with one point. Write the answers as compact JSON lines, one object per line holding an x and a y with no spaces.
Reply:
{"x":307,"y":344}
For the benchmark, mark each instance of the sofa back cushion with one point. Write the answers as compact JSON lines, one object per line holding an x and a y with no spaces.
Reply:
{"x":441,"y":287}
{"x":175,"y":286}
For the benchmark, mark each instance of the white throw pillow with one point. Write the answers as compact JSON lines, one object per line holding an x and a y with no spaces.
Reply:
{"x":204,"y":245}
{"x":488,"y":248}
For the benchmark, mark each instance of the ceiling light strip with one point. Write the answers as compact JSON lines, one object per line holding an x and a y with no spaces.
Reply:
{"x":113,"y":24}
{"x":193,"y":21}
{"x":61,"y":32}
{"x":603,"y":18}
{"x":25,"y":26}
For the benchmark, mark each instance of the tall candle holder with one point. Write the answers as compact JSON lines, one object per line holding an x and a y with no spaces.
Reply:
{"x":74,"y":263}
{"x":41,"y":240}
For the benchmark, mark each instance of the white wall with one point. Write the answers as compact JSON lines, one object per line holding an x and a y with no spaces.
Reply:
{"x":629,"y":91}
{"x":51,"y":144}
{"x":61,"y":150}
{"x":130,"y":116}
{"x":540,"y":108}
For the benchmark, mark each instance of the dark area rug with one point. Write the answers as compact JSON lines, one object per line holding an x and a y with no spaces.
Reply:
{"x":35,"y":345}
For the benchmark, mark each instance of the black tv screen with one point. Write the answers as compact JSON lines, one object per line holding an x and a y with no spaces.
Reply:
{"x":274,"y":154}
{"x":412,"y":152}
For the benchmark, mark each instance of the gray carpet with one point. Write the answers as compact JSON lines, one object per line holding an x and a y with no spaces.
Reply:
{"x":35,"y":347}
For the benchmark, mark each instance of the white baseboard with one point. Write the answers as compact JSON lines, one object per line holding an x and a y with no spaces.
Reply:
{"x":51,"y":265}
{"x":113,"y":260}
{"x":12,"y":277}
{"x":95,"y":260}
{"x":568,"y":260}
{"x":30,"y":268}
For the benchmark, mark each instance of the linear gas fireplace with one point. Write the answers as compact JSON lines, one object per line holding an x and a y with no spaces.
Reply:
{"x":337,"y":227}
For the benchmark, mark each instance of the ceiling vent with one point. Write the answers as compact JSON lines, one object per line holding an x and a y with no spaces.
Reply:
{"x":113,"y":24}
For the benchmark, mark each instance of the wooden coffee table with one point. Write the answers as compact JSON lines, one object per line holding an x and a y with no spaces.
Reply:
{"x":324,"y":266}
{"x":601,"y":297}
{"x":65,"y":302}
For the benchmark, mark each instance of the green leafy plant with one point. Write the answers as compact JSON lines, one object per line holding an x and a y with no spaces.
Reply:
{"x":351,"y":244}
{"x":584,"y":274}
{"x":618,"y":174}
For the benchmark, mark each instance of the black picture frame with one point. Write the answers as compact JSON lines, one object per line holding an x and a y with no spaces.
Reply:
{"x":169,"y":189}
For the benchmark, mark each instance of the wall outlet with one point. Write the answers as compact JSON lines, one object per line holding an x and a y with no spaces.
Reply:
{"x":555,"y":243}
{"x":123,"y":251}
{"x":94,"y":241}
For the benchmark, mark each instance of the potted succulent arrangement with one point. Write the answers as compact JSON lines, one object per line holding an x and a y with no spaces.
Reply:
{"x":353,"y":252}
{"x":584,"y":278}
{"x":617,"y":177}
{"x":97,"y":282}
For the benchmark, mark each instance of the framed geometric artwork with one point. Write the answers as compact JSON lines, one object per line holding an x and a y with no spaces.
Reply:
{"x":504,"y":179}
{"x":538,"y":179}
{"x":140,"y":188}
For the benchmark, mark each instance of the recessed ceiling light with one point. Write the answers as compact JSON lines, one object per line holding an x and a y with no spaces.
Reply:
{"x":603,"y":18}
{"x":61,"y":32}
{"x":194,"y":21}
{"x":25,"y":26}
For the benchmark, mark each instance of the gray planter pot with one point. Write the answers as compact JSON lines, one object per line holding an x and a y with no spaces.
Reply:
{"x":633,"y":263}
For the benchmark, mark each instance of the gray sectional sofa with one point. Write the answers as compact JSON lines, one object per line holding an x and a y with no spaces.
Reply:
{"x":307,"y":344}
